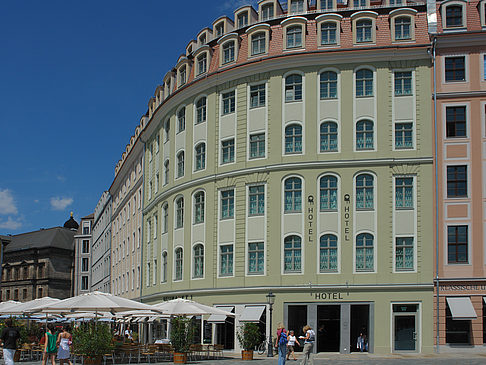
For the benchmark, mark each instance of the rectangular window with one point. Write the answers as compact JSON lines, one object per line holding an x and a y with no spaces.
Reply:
{"x":202,"y":62}
{"x":258,"y":43}
{"x":296,"y":6}
{"x":199,"y":208}
{"x":294,"y":37}
{"x":404,"y":254}
{"x":256,"y":200}
{"x":257,"y":96}
{"x":165,"y":221}
{"x":402,"y":28}
{"x":181,"y":120}
{"x":85,"y":246}
{"x":227,"y":204}
{"x":228,"y":151}
{"x":85,"y":264}
{"x":242,"y":20}
{"x":166,"y":172}
{"x":455,"y":69}
{"x":457,"y":240}
{"x":86,"y":229}
{"x":456,"y":181}
{"x":327,"y":4}
{"x":226,"y":263}
{"x":84,"y":282}
{"x":228,"y":52}
{"x":403,"y":135}
{"x":403,"y":83}
{"x":257,"y":145}
{"x":256,"y":258}
{"x":219,"y":29}
{"x":182,"y":76}
{"x":267,"y":12}
{"x":228,"y":103}
{"x":404,"y":192}
{"x":328,"y":33}
{"x":455,"y":121}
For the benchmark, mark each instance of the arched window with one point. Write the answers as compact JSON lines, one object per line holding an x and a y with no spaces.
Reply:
{"x":364,"y":29}
{"x":329,"y":137}
{"x":200,"y":155}
{"x":328,"y":83}
{"x":166,"y":172}
{"x":403,"y":27}
{"x":365,"y":252}
{"x":165,"y":219}
{"x":198,"y":264}
{"x":364,"y":82}
{"x":180,"y":164}
{"x":164,"y":266}
{"x":201,"y":110}
{"x":292,"y":254}
{"x":328,"y":254}
{"x":199,"y":207}
{"x":180,"y":212}
{"x":294,"y":36}
{"x":293,"y":195}
{"x":166,"y":130}
{"x":293,"y":139}
{"x":328,"y":33}
{"x":364,"y":135}
{"x":328,"y":193}
{"x":178,"y":263}
{"x":364,"y":191}
{"x":293,"y":88}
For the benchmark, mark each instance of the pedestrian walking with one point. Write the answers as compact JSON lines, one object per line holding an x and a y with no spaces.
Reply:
{"x":281,"y":343}
{"x":64,"y":340}
{"x":9,"y":338}
{"x":291,"y":345}
{"x":309,"y":339}
{"x":50,"y":348}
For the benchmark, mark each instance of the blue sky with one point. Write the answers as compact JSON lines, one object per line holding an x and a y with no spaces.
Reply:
{"x":75,"y":78}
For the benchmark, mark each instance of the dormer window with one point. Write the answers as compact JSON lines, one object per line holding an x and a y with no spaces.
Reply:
{"x":360,"y":3}
{"x":482,"y":12}
{"x":328,"y":33}
{"x":402,"y":24}
{"x":364,"y":31}
{"x":395,"y":2}
{"x":453,"y":16}
{"x":202,"y":39}
{"x":202,"y":63}
{"x":228,"y":52}
{"x":219,"y":29}
{"x":243,"y":19}
{"x":327,"y":4}
{"x":258,"y":43}
{"x":267,"y":12}
{"x":296,"y":6}
{"x":182,"y":76}
{"x":402,"y":28}
{"x":294,"y":36}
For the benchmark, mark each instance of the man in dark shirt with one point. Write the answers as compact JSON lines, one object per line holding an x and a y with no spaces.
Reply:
{"x":9,"y":339}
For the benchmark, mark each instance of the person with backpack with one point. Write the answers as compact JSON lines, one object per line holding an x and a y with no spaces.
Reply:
{"x":281,"y":343}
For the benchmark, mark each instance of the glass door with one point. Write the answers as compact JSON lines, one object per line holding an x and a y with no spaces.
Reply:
{"x":405,"y":327}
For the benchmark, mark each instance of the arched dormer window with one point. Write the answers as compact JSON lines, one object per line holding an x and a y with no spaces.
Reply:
{"x":202,"y":60}
{"x":258,"y":40}
{"x":294,"y":30}
{"x":228,"y":48}
{"x":453,"y":15}
{"x":364,"y":27}
{"x":402,"y":24}
{"x":329,"y":29}
{"x":183,"y":70}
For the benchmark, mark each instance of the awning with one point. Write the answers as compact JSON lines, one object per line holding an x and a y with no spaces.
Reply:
{"x":461,"y":308}
{"x":252,"y":313}
{"x":220,"y":318}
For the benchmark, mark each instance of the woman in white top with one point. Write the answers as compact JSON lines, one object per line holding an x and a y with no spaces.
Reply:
{"x":309,"y":339}
{"x":291,"y":344}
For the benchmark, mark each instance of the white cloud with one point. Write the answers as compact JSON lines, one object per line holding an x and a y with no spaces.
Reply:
{"x":7,"y":203}
{"x":10,"y":224}
{"x":59,"y":203}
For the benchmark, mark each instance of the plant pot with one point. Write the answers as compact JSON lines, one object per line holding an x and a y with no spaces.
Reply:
{"x":247,"y":354}
{"x":180,"y":357}
{"x":92,"y":360}
{"x":16,"y":357}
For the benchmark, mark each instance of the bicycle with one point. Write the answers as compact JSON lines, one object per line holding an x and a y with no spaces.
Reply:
{"x":262,"y":347}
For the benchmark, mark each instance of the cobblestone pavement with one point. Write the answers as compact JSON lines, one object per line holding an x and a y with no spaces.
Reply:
{"x":339,"y":359}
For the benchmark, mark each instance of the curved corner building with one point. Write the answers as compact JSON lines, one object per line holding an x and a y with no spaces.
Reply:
{"x":290,"y":151}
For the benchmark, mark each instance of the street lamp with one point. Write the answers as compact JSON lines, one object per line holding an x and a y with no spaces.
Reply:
{"x":270,"y":301}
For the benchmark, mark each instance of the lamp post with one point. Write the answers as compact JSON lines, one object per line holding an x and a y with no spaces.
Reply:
{"x":270,"y":301}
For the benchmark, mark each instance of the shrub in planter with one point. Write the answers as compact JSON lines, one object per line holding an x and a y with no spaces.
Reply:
{"x":92,"y":339}
{"x":249,"y":336}
{"x":181,"y":334}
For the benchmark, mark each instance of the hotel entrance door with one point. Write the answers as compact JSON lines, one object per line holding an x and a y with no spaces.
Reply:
{"x":405,"y":327}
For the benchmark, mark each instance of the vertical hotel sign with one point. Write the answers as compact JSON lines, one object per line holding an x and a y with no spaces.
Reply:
{"x":347,"y":217}
{"x":310,"y":219}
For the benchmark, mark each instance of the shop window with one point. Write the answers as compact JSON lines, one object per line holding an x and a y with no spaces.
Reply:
{"x":457,"y":181}
{"x":256,"y":258}
{"x":257,"y":145}
{"x":228,"y":151}
{"x":200,"y":156}
{"x":328,"y":187}
{"x":364,"y":135}
{"x":199,"y":207}
{"x":328,"y":254}
{"x":455,"y":121}
{"x":455,"y":69}
{"x":198,"y":264}
{"x":404,"y":192}
{"x":226,"y":260}
{"x":178,"y":264}
{"x":457,"y":331}
{"x":293,"y":139}
{"x":256,"y":200}
{"x":364,"y":192}
{"x":292,"y":254}
{"x":293,"y":195}
{"x":227,"y":204}
{"x":457,"y":244}
{"x":328,"y":137}
{"x":364,"y":252}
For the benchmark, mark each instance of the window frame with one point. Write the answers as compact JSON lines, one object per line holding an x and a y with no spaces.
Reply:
{"x":226,"y":255}
{"x":365,"y":235}
{"x":456,"y":3}
{"x":404,"y":187}
{"x":328,"y":18}
{"x":200,"y":156}
{"x":199,"y":218}
{"x":203,"y":52}
{"x":402,"y":83}
{"x":400,"y":13}
{"x":228,"y":101}
{"x":456,"y":122}
{"x":328,"y":82}
{"x":403,"y":137}
{"x":465,"y":57}
{"x":231,"y":151}
{"x":364,"y":81}
{"x":360,"y":16}
{"x":296,"y":192}
{"x":181,"y":119}
{"x":327,"y":8}
{"x":179,"y":212}
{"x":294,"y":138}
{"x":195,"y":257}
{"x":227,"y":204}
{"x":457,"y":244}
{"x":293,"y":23}
{"x":293,"y":248}
{"x":328,"y":248}
{"x":200,"y":110}
{"x":457,"y":181}
{"x":254,"y":31}
{"x":329,"y":136}
{"x":260,"y":145}
{"x":257,"y":253}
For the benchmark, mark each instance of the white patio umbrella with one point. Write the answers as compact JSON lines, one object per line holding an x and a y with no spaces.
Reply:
{"x":185,"y":307}
{"x":30,"y":306}
{"x":7,"y":305}
{"x":94,"y":302}
{"x":89,"y":315}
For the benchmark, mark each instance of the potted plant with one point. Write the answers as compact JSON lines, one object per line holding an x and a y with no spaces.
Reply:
{"x":249,"y":337}
{"x":92,"y":340}
{"x":181,"y":335}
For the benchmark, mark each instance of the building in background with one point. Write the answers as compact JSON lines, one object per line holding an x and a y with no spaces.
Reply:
{"x":38,"y":264}
{"x":460,"y":48}
{"x":82,"y":259}
{"x":289,"y":151}
{"x":101,"y":245}
{"x":126,"y":222}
